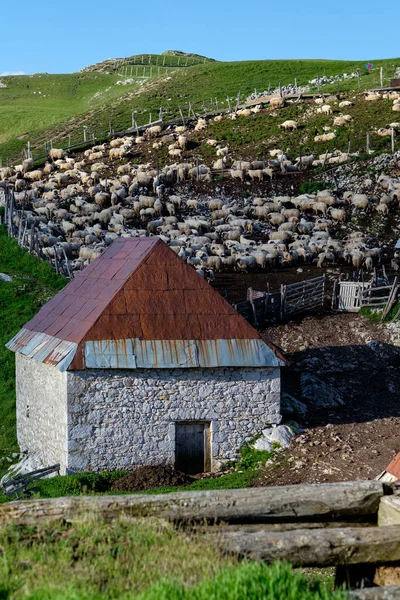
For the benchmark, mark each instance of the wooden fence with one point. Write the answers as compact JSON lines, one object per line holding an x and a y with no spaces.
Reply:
{"x":293,"y":299}
{"x":302,"y":296}
{"x":350,"y":296}
{"x":352,"y":526}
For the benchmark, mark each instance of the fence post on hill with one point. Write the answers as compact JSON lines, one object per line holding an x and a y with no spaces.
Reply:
{"x":160,"y":113}
{"x":229,"y":103}
{"x":295,"y":84}
{"x":349,"y":146}
{"x":392,"y":139}
{"x":381,"y":76}
{"x":238,"y":99}
{"x":318,"y":85}
{"x":216,"y":104}
{"x":367,"y":147}
{"x":280,"y":89}
{"x":182,"y":117}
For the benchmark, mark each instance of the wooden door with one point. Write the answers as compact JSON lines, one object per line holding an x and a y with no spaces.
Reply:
{"x":192,"y":447}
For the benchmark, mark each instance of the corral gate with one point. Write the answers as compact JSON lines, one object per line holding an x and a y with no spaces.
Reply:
{"x":350,"y":294}
{"x":302,"y":296}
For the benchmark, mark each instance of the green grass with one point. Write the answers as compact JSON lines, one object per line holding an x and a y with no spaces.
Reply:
{"x":244,"y":473}
{"x":34,"y":282}
{"x":128,"y":559}
{"x":375,"y":315}
{"x":68,"y":102}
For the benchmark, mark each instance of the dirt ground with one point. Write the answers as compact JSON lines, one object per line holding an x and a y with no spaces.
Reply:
{"x":148,"y":477}
{"x":352,"y":441}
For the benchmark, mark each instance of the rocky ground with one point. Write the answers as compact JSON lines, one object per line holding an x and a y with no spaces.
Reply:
{"x":342,"y":387}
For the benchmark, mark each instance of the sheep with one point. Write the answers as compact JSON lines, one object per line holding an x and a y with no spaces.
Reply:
{"x":326,"y":137}
{"x":370,"y":97}
{"x":56,"y":154}
{"x":175,"y":152}
{"x":180,"y":129}
{"x":237,"y":174}
{"x":35,"y":175}
{"x":201,"y":124}
{"x":345,"y":103}
{"x":116,"y":152}
{"x":319,"y":101}
{"x":325,"y":109}
{"x":382,"y":208}
{"x":182,"y":142}
{"x":276,"y":102}
{"x":246,"y":263}
{"x":154,"y":130}
{"x":218,"y":118}
{"x":340,"y":121}
{"x":396,"y":107}
{"x":244,"y":112}
{"x":290,"y":124}
{"x":212,"y":143}
{"x":256,"y":174}
{"x":117,"y":142}
{"x":382,"y":132}
{"x":360,"y":201}
{"x":338,"y":214}
{"x":223,"y":151}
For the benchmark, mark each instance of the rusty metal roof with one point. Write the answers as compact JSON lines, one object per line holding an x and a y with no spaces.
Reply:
{"x":394,"y":467}
{"x":139,"y":289}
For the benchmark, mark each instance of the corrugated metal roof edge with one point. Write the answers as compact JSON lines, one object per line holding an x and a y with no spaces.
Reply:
{"x":177,"y":354}
{"x":44,"y":348}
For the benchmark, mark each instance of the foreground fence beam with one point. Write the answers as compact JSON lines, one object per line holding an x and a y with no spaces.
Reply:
{"x":374,"y":593}
{"x":294,"y":503}
{"x":317,"y":547}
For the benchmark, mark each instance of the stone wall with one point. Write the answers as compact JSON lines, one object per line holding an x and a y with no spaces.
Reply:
{"x":41,"y":411}
{"x":119,"y":418}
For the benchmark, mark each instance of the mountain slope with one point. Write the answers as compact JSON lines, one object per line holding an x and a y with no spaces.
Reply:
{"x":44,"y":107}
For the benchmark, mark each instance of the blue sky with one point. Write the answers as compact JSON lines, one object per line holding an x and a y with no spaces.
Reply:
{"x":62,"y":37}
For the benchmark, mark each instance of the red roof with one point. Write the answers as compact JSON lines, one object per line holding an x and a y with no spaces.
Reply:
{"x":137,"y":289}
{"x":394,"y":467}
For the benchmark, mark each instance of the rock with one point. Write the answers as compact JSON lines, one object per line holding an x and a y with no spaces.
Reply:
{"x":282,"y":435}
{"x":262,"y":444}
{"x":4,"y":277}
{"x":291,"y":407}
{"x":318,"y":393}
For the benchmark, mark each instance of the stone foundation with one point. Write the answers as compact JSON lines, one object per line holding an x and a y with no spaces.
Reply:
{"x":118,"y":419}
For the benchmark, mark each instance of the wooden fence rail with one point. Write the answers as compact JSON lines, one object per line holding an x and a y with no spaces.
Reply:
{"x":293,"y":299}
{"x":348,"y":501}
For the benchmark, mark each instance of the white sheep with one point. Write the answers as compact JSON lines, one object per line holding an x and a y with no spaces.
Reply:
{"x":326,"y":137}
{"x":276,"y":102}
{"x":182,"y":142}
{"x":56,"y":153}
{"x":345,"y":103}
{"x":290,"y":124}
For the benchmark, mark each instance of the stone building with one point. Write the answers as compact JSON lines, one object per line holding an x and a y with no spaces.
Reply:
{"x":139,"y":361}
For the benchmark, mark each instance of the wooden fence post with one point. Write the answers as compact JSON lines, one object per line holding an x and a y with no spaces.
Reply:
{"x":283,"y":300}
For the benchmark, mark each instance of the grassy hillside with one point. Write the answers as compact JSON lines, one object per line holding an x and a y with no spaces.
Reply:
{"x":34,"y":282}
{"x":68,"y":102}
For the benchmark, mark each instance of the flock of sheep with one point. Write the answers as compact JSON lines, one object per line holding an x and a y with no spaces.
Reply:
{"x":77,"y":208}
